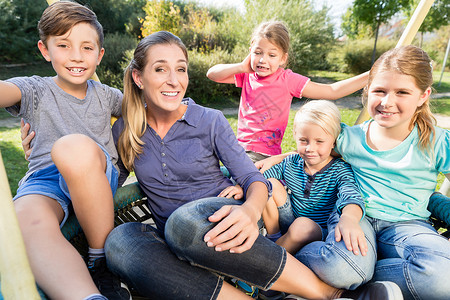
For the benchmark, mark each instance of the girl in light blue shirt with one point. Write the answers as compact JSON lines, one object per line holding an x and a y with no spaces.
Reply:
{"x":396,"y":163}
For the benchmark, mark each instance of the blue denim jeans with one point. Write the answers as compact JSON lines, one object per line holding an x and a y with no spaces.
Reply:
{"x":260,"y":266}
{"x":143,"y":259}
{"x":138,"y":255}
{"x":414,"y":256}
{"x":336,"y":265}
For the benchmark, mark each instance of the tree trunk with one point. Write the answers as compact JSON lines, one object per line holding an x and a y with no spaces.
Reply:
{"x":375,"y":44}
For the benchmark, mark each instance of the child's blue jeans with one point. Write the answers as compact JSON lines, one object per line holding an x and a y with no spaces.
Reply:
{"x":410,"y":253}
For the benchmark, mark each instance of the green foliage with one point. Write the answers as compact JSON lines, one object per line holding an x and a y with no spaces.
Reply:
{"x":437,"y":16}
{"x":19,"y":19}
{"x":437,"y":46}
{"x":205,"y":91}
{"x":356,"y":54}
{"x":117,"y":15}
{"x":353,"y":28}
{"x":110,"y":70}
{"x":376,"y":12}
{"x":205,"y":30}
{"x":18,"y":30}
{"x":161,"y":15}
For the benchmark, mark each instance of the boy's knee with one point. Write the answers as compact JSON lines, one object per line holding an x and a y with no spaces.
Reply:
{"x":76,"y":150}
{"x":305,"y":227}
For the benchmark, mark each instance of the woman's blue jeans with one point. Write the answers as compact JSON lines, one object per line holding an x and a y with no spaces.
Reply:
{"x":410,"y":253}
{"x":144,"y":260}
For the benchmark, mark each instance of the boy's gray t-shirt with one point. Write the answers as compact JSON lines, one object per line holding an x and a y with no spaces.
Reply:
{"x":53,"y":113}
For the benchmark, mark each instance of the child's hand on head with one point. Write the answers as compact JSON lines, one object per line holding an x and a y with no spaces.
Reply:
{"x":246,"y":65}
{"x":235,"y":192}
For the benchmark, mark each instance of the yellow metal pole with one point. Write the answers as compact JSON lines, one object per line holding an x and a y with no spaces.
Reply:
{"x":17,"y":281}
{"x":407,"y":37}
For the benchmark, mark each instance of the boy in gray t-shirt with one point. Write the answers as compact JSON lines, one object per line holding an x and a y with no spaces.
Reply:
{"x":73,"y":161}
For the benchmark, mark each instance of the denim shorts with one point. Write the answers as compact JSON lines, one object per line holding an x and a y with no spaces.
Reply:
{"x":49,"y":182}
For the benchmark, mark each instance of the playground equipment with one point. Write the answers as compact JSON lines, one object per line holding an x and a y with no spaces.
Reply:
{"x":17,"y":281}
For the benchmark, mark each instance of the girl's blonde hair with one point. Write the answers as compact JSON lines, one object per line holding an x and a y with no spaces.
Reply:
{"x":275,"y":31}
{"x":412,"y":61}
{"x":133,"y":105}
{"x":322,"y":113}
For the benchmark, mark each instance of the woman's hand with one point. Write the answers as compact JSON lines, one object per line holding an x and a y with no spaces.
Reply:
{"x":26,"y":138}
{"x":236,"y":230}
{"x":232,"y":191}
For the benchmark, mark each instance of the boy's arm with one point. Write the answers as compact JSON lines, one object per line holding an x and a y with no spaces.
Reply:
{"x":335,"y":90}
{"x":349,"y":230}
{"x":10,"y":94}
{"x":224,"y":73}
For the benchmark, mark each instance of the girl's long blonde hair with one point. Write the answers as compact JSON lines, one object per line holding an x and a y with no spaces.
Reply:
{"x":133,"y":106}
{"x":412,"y":61}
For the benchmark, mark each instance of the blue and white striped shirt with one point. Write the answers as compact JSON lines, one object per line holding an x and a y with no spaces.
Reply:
{"x":316,"y":196}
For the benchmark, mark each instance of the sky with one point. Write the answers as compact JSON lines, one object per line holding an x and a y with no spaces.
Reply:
{"x":338,"y":7}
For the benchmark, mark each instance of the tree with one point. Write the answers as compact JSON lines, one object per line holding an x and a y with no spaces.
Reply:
{"x":18,"y":29}
{"x":372,"y":13}
{"x":161,"y":15}
{"x":117,"y":16}
{"x":438,"y":16}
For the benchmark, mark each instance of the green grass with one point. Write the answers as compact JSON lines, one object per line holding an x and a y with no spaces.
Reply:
{"x":444,"y":86}
{"x":13,"y":156}
{"x":440,"y":106}
{"x":40,"y":68}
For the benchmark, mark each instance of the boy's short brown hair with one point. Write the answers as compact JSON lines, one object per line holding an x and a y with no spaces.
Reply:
{"x":61,"y":16}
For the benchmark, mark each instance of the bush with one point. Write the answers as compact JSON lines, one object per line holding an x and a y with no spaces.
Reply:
{"x":110,"y":70}
{"x":355,"y":56}
{"x":203,"y":90}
